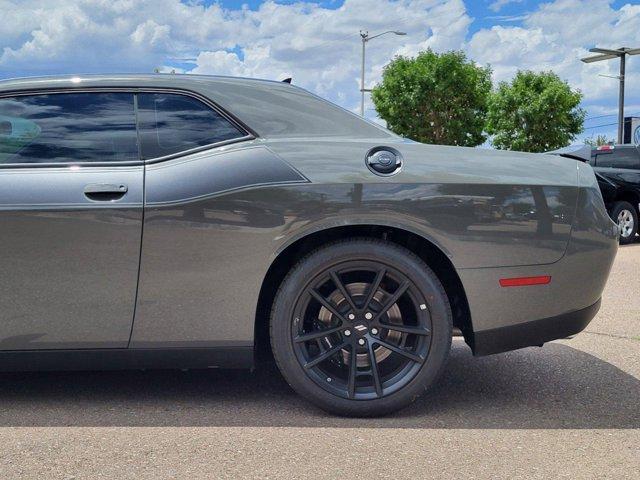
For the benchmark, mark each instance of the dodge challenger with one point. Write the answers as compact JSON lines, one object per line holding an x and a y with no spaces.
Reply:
{"x":178,"y":221}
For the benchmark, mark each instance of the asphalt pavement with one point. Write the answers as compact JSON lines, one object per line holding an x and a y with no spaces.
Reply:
{"x":570,"y":409}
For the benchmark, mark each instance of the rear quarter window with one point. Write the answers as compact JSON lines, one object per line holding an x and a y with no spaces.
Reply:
{"x":172,"y":123}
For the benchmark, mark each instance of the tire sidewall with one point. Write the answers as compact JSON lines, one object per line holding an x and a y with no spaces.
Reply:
{"x":385,"y":253}
{"x":617,"y":208}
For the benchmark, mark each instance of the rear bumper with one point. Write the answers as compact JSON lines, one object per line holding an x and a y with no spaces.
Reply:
{"x":514,"y":317}
{"x":533,"y":333}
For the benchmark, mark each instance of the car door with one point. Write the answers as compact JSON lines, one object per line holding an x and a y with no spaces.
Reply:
{"x":71,"y":202}
{"x":192,"y":236}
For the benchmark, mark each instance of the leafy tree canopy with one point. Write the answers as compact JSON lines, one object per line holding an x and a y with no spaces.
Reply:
{"x":435,"y":98}
{"x":535,"y":112}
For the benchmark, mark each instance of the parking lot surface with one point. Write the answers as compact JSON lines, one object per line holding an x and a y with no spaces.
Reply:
{"x":568,"y":410}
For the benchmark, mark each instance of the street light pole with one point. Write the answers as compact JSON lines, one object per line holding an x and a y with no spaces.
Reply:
{"x":623,"y":59}
{"x":366,"y":38}
{"x":608,"y":54}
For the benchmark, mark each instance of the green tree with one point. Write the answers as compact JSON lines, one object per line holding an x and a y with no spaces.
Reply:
{"x":435,"y":98}
{"x":598,"y":141}
{"x":535,"y":112}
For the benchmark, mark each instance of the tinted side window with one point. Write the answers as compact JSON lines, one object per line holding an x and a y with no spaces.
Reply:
{"x":620,"y":158}
{"x":171,"y":123}
{"x":68,"y":128}
{"x":604,"y":160}
{"x":627,"y":158}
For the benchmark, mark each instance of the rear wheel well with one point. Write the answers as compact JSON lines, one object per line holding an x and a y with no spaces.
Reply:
{"x":427,"y":251}
{"x":630,"y":197}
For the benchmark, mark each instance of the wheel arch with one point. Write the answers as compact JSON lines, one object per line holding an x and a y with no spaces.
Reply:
{"x":428,"y":251}
{"x":629,"y":196}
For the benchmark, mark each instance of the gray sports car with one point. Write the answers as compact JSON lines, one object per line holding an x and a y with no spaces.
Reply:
{"x":188,"y":221}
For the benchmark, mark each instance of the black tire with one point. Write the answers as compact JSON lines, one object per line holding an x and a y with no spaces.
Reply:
{"x":393,"y":378}
{"x":623,"y":213}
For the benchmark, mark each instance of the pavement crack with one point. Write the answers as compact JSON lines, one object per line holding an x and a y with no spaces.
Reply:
{"x":612,"y":335}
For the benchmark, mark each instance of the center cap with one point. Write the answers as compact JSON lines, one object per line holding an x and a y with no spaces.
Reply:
{"x":361,"y":328}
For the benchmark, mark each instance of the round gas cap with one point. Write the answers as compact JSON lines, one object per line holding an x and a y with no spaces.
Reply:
{"x":384,"y":161}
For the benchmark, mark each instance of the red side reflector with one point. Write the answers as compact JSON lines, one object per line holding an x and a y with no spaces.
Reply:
{"x":525,"y":281}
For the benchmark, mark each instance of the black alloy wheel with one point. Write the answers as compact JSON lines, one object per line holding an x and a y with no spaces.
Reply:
{"x":361,"y":327}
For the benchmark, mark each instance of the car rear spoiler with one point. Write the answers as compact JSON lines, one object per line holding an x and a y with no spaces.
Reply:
{"x":577,"y":152}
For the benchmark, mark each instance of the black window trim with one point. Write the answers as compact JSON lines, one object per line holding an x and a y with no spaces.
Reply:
{"x":249,"y":134}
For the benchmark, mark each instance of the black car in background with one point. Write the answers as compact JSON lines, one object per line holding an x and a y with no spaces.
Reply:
{"x":617,"y":168}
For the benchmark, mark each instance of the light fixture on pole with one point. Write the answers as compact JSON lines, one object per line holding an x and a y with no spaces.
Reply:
{"x":608,"y":54}
{"x":366,"y":38}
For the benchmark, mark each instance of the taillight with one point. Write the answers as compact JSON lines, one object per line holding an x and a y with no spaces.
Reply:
{"x":525,"y":281}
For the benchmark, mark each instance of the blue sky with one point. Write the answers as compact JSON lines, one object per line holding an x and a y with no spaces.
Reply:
{"x":317,"y":42}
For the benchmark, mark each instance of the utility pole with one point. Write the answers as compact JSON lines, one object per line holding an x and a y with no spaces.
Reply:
{"x":366,"y":38}
{"x":608,"y":54}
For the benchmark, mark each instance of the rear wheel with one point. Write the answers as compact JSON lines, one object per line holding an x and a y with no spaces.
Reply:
{"x":361,"y":327}
{"x":626,"y":216}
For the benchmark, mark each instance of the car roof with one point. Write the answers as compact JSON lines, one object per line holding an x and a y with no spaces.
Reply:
{"x":269,"y":108}
{"x":164,"y":80}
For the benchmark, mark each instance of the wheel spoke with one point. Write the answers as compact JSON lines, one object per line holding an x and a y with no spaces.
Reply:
{"x":328,"y":305}
{"x":394,"y":298}
{"x":326,"y":342}
{"x":406,"y":329}
{"x":374,"y":371}
{"x":394,"y":348}
{"x":374,"y":287}
{"x":323,"y":356}
{"x":305,"y":337}
{"x":342,"y":288}
{"x":353,"y":371}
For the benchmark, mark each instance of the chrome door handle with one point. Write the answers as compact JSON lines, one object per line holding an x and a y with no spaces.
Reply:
{"x":105,"y":192}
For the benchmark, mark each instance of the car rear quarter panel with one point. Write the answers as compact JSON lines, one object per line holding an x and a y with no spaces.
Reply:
{"x":481,"y":207}
{"x":206,"y":253}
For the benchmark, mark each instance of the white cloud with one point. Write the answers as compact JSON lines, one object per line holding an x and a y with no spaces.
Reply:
{"x":318,"y":47}
{"x":151,"y":34}
{"x":321,"y":48}
{"x":221,"y":62}
{"x":498,"y":4}
{"x":549,"y":41}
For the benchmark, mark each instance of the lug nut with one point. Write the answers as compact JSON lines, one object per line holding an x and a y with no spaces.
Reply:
{"x":347,"y":333}
{"x":374,"y":331}
{"x":361,"y":341}
{"x":351,"y":316}
{"x":368,"y":315}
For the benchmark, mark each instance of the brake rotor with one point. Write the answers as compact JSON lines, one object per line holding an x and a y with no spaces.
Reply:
{"x":357,"y":290}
